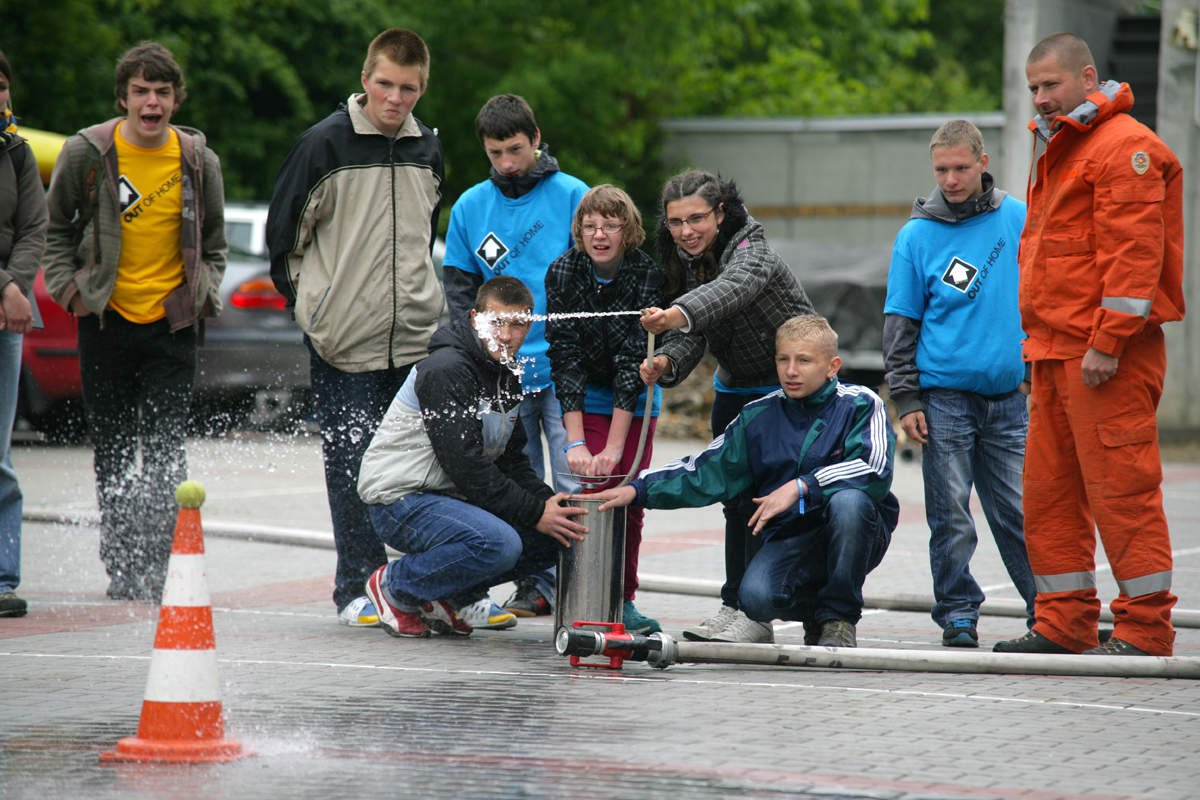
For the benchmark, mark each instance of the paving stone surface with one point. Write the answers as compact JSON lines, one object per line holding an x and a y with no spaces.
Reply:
{"x":328,"y":709}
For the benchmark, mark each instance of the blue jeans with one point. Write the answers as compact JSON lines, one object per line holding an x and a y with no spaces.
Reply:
{"x":817,"y":574}
{"x":10,"y":490}
{"x":973,"y":439}
{"x":540,"y":411}
{"x":453,"y":550}
{"x":349,"y":407}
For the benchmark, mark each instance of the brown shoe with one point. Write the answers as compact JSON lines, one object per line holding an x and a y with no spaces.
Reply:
{"x":1116,"y":647}
{"x":1031,"y":642}
{"x":837,"y":633}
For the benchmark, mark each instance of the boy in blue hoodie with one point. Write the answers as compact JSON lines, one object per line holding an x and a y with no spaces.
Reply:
{"x":818,"y":454}
{"x":952,"y":350}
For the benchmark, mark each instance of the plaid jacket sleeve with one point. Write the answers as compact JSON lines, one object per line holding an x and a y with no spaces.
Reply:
{"x":642,"y":288}
{"x":744,"y":275}
{"x":566,"y":282}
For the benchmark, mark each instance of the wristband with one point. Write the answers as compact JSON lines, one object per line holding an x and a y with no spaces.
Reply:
{"x":576,"y":443}
{"x":800,"y":502}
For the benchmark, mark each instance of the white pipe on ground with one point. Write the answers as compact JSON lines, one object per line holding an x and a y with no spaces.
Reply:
{"x":924,"y":660}
{"x":667,"y":584}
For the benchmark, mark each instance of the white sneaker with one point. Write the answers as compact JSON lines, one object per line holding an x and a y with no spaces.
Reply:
{"x":359,"y":613}
{"x":743,"y":630}
{"x":487,"y":615}
{"x":714,"y":624}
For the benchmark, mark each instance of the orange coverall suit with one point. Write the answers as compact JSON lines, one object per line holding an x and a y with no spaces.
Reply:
{"x":1101,"y":266}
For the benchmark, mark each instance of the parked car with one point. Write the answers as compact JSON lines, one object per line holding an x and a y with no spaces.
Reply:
{"x":251,"y":365}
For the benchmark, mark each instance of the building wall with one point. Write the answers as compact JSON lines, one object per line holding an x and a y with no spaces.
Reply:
{"x":825,"y":181}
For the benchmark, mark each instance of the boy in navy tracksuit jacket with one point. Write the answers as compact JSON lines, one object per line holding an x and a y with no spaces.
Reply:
{"x":818,"y":454}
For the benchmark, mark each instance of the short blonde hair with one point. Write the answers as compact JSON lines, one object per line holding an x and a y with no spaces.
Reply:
{"x":609,"y":201}
{"x":402,"y":47}
{"x":808,"y":328}
{"x":958,"y":133}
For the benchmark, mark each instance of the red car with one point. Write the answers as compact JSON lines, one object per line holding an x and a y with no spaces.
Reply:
{"x":253,"y":362}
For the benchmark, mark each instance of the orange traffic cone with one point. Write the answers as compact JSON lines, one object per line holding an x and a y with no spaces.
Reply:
{"x":181,"y":713}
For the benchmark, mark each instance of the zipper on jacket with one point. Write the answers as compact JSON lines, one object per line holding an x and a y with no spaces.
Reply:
{"x":395,"y":282}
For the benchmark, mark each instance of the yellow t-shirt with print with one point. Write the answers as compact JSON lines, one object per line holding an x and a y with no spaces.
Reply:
{"x":151,"y":203}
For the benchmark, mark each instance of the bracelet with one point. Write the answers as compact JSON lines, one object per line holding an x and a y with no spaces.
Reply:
{"x":800,"y":503}
{"x":576,"y":443}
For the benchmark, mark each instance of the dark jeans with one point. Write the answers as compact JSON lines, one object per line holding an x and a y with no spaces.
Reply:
{"x":740,"y":546}
{"x":349,"y":407}
{"x":453,"y":550}
{"x":137,"y":391}
{"x":817,"y":574}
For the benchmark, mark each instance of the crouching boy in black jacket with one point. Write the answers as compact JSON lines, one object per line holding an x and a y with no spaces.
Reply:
{"x":446,"y":479}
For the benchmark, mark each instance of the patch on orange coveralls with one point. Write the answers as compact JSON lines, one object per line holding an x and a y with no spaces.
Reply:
{"x":1141,"y":162}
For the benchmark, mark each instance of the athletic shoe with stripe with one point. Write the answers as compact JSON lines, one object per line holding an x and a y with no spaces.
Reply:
{"x":359,"y":613}
{"x":395,"y":621}
{"x":486,"y":615}
{"x":442,"y":619}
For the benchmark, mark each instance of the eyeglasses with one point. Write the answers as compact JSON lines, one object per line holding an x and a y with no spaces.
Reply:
{"x":610,"y":228}
{"x":693,"y":221}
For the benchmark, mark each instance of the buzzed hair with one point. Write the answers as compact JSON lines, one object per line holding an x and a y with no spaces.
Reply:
{"x":958,"y":133}
{"x":1071,"y":52}
{"x":808,"y":328}
{"x":403,"y":48}
{"x":505,"y":290}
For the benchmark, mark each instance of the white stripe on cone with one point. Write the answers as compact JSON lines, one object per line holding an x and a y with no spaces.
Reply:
{"x":187,"y":581}
{"x":183,"y":676}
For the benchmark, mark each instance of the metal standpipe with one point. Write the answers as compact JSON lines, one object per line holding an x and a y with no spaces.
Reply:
{"x":590,"y":582}
{"x":589,"y":585}
{"x":661,"y":651}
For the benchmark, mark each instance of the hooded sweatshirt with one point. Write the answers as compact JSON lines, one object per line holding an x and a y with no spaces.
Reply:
{"x":513,"y":226}
{"x":951,"y":318}
{"x":453,"y":429}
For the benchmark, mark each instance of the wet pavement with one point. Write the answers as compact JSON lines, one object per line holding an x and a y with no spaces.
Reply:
{"x":333,"y":710}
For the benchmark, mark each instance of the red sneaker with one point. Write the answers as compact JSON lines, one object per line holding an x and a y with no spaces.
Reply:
{"x":396,"y":621}
{"x":441,"y":618}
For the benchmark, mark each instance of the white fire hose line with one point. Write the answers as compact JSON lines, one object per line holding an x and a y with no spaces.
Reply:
{"x":846,"y":687}
{"x":662,"y":584}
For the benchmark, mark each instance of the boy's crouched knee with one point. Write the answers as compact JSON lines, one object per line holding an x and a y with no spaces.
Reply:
{"x":500,"y":548}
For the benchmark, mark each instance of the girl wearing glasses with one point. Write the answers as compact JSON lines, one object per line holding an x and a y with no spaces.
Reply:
{"x":727,"y":291}
{"x":594,"y":360}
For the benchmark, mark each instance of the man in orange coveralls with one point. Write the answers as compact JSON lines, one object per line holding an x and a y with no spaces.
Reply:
{"x":1101,"y":270}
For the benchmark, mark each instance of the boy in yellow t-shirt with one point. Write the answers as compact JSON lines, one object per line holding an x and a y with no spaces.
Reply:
{"x":139,"y":278}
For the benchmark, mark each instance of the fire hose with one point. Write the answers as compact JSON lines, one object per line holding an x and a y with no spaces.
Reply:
{"x":661,"y":651}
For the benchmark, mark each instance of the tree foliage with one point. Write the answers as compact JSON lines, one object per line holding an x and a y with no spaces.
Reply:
{"x":601,"y":76}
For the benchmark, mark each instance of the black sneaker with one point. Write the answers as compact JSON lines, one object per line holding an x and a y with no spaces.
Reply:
{"x":837,"y":633}
{"x":1116,"y":647}
{"x":11,"y":605}
{"x":812,"y":632}
{"x":960,"y":633}
{"x":527,"y":601}
{"x":1031,"y":642}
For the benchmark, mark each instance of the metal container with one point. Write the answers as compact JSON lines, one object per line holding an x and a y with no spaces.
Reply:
{"x":590,"y":582}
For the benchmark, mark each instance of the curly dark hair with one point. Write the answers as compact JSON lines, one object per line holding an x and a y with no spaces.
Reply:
{"x":719,"y":194}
